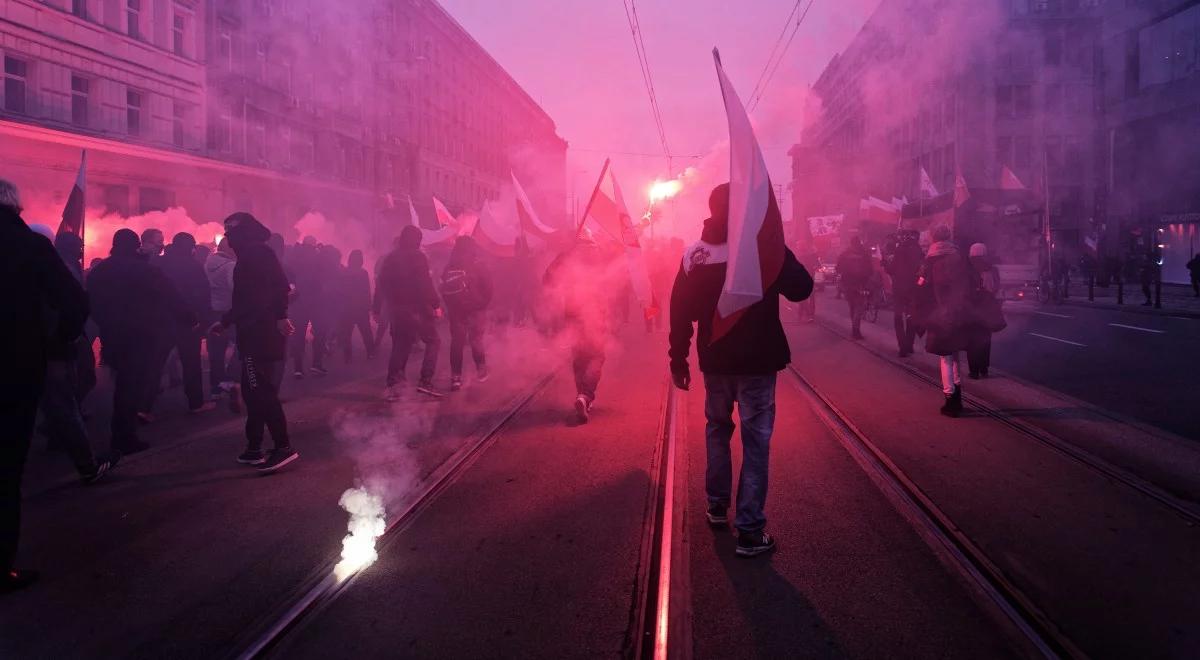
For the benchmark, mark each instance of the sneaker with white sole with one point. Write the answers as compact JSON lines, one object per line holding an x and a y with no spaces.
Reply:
{"x":456,"y":383}
{"x":717,"y":515}
{"x":277,"y":459}
{"x":481,"y":374}
{"x":426,"y":387}
{"x":752,"y":544}
{"x":252,"y":457}
{"x":583,"y":408}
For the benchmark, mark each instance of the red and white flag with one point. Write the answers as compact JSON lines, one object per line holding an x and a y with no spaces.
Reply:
{"x":73,"y":212}
{"x":639,"y":276}
{"x":413,"y":218}
{"x":1009,"y":181}
{"x":961,"y":192}
{"x":927,"y":188}
{"x":449,"y":227}
{"x":526,"y":216}
{"x":756,"y":246}
{"x":483,"y":237}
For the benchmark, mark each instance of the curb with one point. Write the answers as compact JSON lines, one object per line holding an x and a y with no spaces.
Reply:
{"x":1132,"y":308}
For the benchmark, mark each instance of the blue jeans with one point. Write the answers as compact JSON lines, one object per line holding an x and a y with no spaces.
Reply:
{"x":755,"y":397}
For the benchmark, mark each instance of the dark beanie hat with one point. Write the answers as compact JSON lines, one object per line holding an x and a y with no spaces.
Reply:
{"x":125,"y":241}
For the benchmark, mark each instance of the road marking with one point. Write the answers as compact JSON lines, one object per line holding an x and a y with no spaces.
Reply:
{"x":1134,"y":327}
{"x":1061,"y":341}
{"x":1057,"y":316}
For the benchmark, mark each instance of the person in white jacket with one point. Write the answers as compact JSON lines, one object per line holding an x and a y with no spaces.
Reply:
{"x":221,"y":374}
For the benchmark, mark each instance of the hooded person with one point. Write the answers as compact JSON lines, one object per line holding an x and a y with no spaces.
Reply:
{"x":854,"y":276}
{"x":405,"y":288}
{"x":985,"y":285}
{"x":34,"y":282}
{"x":356,"y":306}
{"x":218,"y":269}
{"x":178,"y":263}
{"x":903,"y":266}
{"x":946,"y":276}
{"x":584,"y":283}
{"x":259,"y":313}
{"x":130,"y":300}
{"x":466,"y":288}
{"x":741,"y":366}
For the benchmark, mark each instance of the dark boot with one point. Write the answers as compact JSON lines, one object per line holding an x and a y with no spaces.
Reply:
{"x":953,"y":406}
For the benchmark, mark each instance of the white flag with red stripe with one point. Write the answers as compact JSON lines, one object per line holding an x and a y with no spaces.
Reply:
{"x":449,"y":227}
{"x":639,"y":276}
{"x":73,"y":212}
{"x":756,"y":246}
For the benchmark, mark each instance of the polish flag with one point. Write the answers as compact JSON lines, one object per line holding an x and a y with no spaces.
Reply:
{"x":1009,"y":181}
{"x":530,"y":223}
{"x":638,"y":273}
{"x":413,"y":218}
{"x":927,"y":188}
{"x":449,"y":227}
{"x":484,"y":240}
{"x":961,"y":192}
{"x":756,"y":247}
{"x":73,"y":212}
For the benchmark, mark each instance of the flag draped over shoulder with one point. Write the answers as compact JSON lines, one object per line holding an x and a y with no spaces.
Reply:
{"x":73,"y":212}
{"x":756,"y":247}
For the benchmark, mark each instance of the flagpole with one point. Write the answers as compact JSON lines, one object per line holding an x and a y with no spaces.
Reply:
{"x":595,"y":191}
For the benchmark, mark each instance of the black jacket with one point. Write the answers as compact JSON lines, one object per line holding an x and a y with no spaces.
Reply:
{"x":189,"y":279}
{"x":131,"y":302}
{"x":33,"y":281}
{"x":356,"y":289}
{"x":904,"y":267}
{"x":260,"y":294}
{"x":405,"y":283}
{"x":471,"y":293}
{"x":756,"y":344}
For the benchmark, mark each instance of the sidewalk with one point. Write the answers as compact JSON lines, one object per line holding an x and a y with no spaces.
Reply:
{"x":1177,"y":299}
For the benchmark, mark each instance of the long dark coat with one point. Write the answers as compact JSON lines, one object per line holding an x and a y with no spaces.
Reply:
{"x":948,"y":291}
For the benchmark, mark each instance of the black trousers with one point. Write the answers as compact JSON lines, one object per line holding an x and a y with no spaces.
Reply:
{"x":857,"y":302}
{"x":407,"y":327}
{"x":587,"y":361}
{"x":466,"y":327}
{"x":134,"y":369}
{"x":979,"y":350}
{"x":361,"y":320}
{"x":186,"y":341}
{"x":264,"y":412}
{"x":17,"y":417}
{"x":902,"y":321}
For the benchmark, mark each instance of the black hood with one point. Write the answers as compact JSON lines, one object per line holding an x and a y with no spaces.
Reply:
{"x":410,"y":238}
{"x":244,"y":230}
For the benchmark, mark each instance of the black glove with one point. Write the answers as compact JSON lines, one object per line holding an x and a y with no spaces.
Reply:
{"x":682,"y":378}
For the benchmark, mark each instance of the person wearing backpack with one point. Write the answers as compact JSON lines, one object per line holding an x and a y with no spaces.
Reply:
{"x":854,"y":273}
{"x":466,"y":289}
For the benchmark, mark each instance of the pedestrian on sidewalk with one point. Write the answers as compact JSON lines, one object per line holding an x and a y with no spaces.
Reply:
{"x":740,"y":367}
{"x":985,"y":285}
{"x":405,"y":288}
{"x":947,"y":277}
{"x":854,"y":275}
{"x":131,"y":301}
{"x":259,"y":312}
{"x":903,"y":267}
{"x":44,"y":305}
{"x":466,"y":287}
{"x":60,"y":406}
{"x":1148,"y":273}
{"x":221,"y":368}
{"x":178,"y":263}
{"x":356,"y":306}
{"x":584,"y":282}
{"x":1193,"y":267}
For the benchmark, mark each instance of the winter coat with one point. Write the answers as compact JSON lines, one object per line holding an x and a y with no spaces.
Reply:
{"x":903,"y":267}
{"x":854,"y":267}
{"x":948,"y":281}
{"x":356,"y":289}
{"x":189,"y":279}
{"x":581,"y":288}
{"x":1194,"y":267}
{"x":405,"y":284}
{"x":756,"y":344}
{"x":219,"y":271}
{"x":133,"y":303}
{"x":33,"y":282}
{"x":466,"y":286}
{"x":260,"y":293}
{"x":308,"y":274}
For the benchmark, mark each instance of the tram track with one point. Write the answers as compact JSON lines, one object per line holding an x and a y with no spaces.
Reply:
{"x":323,"y":588}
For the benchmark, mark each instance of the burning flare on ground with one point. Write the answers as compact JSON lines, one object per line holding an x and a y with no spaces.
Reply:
{"x":367,"y":523}
{"x":660,"y":190}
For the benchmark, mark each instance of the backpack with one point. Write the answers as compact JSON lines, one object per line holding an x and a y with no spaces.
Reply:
{"x":455,"y":287}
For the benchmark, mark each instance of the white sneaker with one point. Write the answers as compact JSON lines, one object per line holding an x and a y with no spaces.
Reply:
{"x":582,"y":408}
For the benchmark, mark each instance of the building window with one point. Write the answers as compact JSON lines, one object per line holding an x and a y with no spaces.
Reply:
{"x":1168,"y":50}
{"x":177,"y":34}
{"x":79,"y":8}
{"x":133,"y":112}
{"x":133,"y":13}
{"x":178,"y":113}
{"x":79,"y":100}
{"x":260,"y":60}
{"x":16,"y":78}
{"x":225,"y":48}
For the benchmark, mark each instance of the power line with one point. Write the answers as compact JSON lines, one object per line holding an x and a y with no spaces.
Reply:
{"x":774,"y":48}
{"x":779,"y":60}
{"x":639,"y":47}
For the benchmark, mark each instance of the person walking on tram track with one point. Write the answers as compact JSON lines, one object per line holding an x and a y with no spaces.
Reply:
{"x":356,"y":306}
{"x":985,"y":281}
{"x":44,"y":304}
{"x":854,"y":275}
{"x":131,"y":300}
{"x":405,"y":288}
{"x":903,"y":267}
{"x":466,"y":288}
{"x":946,"y":279}
{"x":259,"y":313}
{"x":740,"y":367}
{"x":583,"y":284}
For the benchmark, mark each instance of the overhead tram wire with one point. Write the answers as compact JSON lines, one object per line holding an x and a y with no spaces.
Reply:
{"x":774,"y":48}
{"x":639,"y":47}
{"x":775,"y":67}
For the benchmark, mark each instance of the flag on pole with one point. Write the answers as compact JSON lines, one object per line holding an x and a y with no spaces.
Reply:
{"x":927,"y":188}
{"x":961,"y":193}
{"x":639,"y":275}
{"x":73,"y":212}
{"x":413,"y":218}
{"x":1009,"y":181}
{"x":606,"y":215}
{"x":527,"y":216}
{"x":484,"y":240}
{"x":449,"y":228}
{"x":756,"y":248}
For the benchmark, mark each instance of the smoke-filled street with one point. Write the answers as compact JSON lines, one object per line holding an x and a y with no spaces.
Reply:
{"x":652,"y":330}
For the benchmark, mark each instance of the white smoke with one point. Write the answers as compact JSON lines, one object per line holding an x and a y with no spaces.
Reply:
{"x":368,"y":521}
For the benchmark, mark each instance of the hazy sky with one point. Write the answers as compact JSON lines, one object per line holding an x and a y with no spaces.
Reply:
{"x":576,"y":58}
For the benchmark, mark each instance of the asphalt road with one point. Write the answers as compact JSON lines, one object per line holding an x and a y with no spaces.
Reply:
{"x":1139,"y":366}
